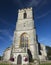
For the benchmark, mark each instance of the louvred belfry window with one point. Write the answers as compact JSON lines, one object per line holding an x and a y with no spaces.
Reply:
{"x":25,"y":15}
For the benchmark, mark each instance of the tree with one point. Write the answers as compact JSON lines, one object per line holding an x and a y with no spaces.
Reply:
{"x":0,"y":57}
{"x":48,"y":52}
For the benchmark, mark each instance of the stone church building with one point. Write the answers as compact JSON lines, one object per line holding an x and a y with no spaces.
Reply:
{"x":25,"y":47}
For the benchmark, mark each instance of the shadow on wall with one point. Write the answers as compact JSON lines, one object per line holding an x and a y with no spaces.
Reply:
{"x":30,"y":55}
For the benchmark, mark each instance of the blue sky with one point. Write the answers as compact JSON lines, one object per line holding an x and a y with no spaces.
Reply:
{"x":8,"y":17}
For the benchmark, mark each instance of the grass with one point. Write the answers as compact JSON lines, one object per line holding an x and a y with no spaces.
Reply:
{"x":46,"y":64}
{"x":10,"y":64}
{"x":3,"y":64}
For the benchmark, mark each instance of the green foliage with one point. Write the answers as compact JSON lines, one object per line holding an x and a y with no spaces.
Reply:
{"x":48,"y":52}
{"x":0,"y":57}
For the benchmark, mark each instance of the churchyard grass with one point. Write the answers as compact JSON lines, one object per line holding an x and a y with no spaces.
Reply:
{"x":3,"y":64}
{"x":33,"y":64}
{"x":46,"y":64}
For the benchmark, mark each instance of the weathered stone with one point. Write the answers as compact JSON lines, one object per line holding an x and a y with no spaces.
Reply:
{"x":25,"y":45}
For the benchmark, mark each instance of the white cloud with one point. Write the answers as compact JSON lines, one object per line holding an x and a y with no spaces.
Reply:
{"x":36,"y":3}
{"x":3,"y":30}
{"x":31,"y":3}
{"x":45,"y":41}
{"x":7,"y":34}
{"x":6,"y":22}
{"x":43,"y":15}
{"x":43,"y":3}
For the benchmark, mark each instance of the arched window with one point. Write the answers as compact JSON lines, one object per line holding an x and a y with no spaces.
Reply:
{"x":25,"y":15}
{"x":24,"y":41}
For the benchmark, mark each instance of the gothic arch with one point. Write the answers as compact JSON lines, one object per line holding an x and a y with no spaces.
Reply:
{"x":25,"y":34}
{"x":24,"y":39}
{"x":19,"y":60}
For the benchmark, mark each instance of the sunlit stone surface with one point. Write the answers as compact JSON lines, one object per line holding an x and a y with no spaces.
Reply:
{"x":25,"y":45}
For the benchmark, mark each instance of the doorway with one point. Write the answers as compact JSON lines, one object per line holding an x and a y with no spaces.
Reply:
{"x":19,"y":60}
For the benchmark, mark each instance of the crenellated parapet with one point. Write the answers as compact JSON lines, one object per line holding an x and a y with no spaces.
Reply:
{"x":25,"y":9}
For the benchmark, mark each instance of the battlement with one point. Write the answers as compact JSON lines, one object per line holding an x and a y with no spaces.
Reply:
{"x":25,"y":12}
{"x":25,"y":9}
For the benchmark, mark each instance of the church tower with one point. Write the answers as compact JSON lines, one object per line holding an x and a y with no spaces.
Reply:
{"x":24,"y":48}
